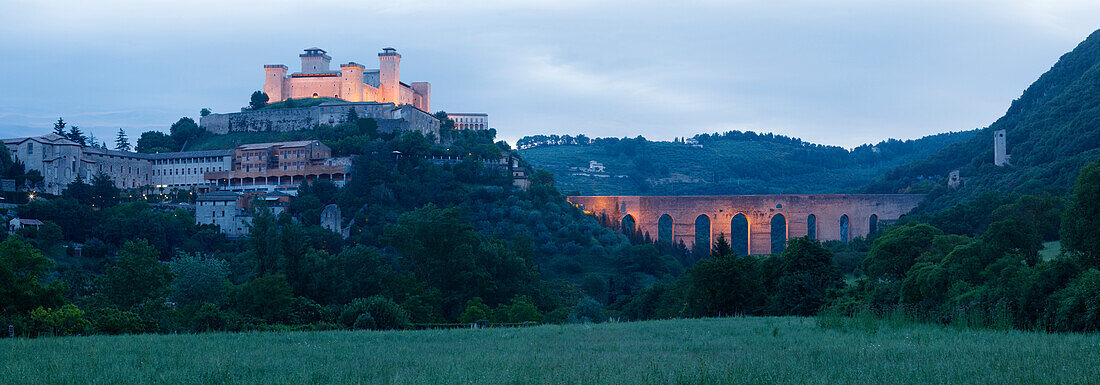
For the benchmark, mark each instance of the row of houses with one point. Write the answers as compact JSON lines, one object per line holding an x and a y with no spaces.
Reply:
{"x":280,"y":166}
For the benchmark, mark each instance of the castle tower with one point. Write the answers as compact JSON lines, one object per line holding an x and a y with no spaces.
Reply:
{"x":1000,"y":150}
{"x":275,"y":82}
{"x":424,"y":96}
{"x":351,"y":82}
{"x":389,"y":75}
{"x":315,"y":61}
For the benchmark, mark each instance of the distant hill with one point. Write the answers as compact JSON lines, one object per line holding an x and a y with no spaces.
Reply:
{"x":1053,"y":130}
{"x":734,"y":162}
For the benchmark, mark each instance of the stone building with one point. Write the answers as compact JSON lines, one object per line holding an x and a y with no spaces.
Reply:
{"x":226,"y":209}
{"x":232,"y":211}
{"x":61,"y":161}
{"x":280,"y":167}
{"x":469,"y":120}
{"x":185,"y":170}
{"x":353,"y":82}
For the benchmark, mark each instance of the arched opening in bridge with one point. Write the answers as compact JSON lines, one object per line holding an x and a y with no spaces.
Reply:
{"x":872,"y":224}
{"x":664,"y":229}
{"x":702,"y":235}
{"x":628,"y":225}
{"x":811,"y":226}
{"x":779,"y":233}
{"x":739,"y":234}
{"x":844,"y":228}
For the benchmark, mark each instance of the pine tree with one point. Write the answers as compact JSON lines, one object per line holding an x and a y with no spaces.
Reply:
{"x":122,"y":143}
{"x":59,"y":127}
{"x":76,"y":135}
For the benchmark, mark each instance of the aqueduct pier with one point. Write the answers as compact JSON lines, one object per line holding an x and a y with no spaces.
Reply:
{"x":748,"y":221}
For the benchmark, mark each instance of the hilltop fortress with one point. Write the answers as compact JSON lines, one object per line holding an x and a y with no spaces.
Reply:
{"x":353,"y":82}
{"x":378,"y":94}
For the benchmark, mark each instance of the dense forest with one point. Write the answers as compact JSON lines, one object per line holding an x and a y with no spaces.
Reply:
{"x":733,"y":162}
{"x":1052,"y":132}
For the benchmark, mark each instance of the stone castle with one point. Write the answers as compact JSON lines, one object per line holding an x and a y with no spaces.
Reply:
{"x":353,"y":82}
{"x":378,"y":94}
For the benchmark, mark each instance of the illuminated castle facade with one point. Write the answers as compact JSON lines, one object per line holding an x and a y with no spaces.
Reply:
{"x":352,"y":82}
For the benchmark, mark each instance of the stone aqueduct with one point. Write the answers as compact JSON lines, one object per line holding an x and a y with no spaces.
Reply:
{"x":747,"y":220}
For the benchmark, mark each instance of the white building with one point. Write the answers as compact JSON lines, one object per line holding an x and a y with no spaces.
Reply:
{"x":469,"y":120}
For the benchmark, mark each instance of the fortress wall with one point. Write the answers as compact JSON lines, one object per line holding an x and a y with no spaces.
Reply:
{"x":280,"y":119}
{"x":758,"y":209}
{"x":304,"y":88}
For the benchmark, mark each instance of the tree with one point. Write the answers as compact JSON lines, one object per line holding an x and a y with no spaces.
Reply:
{"x":103,"y":192}
{"x":725,"y":283}
{"x":269,"y":297}
{"x":476,"y":311}
{"x":22,"y":272}
{"x":198,"y":280}
{"x":808,"y":274}
{"x":374,"y":313}
{"x":137,"y":276}
{"x":155,"y":141}
{"x":259,"y":100}
{"x":184,"y":130}
{"x":122,"y":143}
{"x":77,"y":135}
{"x":59,"y":127}
{"x":1081,"y":221}
{"x":204,"y":112}
{"x":897,"y":250}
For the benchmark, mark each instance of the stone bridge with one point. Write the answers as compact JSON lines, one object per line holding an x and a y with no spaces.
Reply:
{"x":754,"y":224}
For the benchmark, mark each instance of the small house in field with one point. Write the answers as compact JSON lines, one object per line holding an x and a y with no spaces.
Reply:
{"x":17,"y":223}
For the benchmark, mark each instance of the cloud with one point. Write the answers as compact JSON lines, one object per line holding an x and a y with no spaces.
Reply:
{"x":837,"y":72}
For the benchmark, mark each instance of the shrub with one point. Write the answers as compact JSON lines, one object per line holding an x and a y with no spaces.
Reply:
{"x":587,"y":310}
{"x":110,"y":320}
{"x":382,"y":314}
{"x":1077,"y":307}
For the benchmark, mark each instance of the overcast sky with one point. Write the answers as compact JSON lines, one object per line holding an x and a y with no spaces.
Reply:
{"x":837,"y":72}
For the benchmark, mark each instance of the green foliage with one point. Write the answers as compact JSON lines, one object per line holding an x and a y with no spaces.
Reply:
{"x":198,"y":280}
{"x":808,"y":276}
{"x":587,"y":310}
{"x":1081,"y":223}
{"x":476,"y":311}
{"x":155,"y":141}
{"x":122,"y":142}
{"x":66,"y":320}
{"x":136,"y":277}
{"x":23,"y":283}
{"x":725,"y":284}
{"x":269,"y":298}
{"x":183,"y":131}
{"x":1077,"y":306}
{"x":898,"y":249}
{"x":374,"y":313}
{"x":258,"y":100}
{"x":110,"y":320}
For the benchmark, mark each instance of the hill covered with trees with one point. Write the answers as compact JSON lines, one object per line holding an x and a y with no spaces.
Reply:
{"x":733,"y":162}
{"x":1052,"y":131}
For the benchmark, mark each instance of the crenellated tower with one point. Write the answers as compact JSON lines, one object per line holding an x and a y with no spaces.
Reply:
{"x":389,"y":75}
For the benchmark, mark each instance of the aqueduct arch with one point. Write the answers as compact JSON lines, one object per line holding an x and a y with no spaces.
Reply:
{"x":815,"y":215}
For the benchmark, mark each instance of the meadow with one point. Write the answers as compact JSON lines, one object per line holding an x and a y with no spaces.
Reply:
{"x":752,"y":350}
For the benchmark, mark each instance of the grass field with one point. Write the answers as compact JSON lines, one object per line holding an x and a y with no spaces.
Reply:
{"x":707,"y":351}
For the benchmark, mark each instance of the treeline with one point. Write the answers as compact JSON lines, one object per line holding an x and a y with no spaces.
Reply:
{"x":429,"y":243}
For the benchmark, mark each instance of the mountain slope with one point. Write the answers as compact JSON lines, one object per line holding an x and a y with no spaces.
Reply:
{"x":1052,"y":130}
